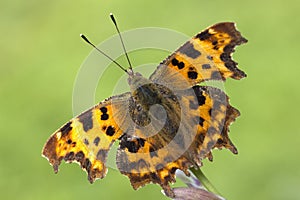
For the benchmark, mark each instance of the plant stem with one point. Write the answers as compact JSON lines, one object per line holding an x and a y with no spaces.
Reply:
{"x":206,"y":183}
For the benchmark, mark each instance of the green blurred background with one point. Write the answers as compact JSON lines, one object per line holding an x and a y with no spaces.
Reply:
{"x":41,"y":53}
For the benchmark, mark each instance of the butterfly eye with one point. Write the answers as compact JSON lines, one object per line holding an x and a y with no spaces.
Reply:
{"x":173,"y":97}
{"x":138,"y":74}
{"x":139,"y":107}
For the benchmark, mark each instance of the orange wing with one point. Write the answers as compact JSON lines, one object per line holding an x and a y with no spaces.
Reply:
{"x":215,"y":115}
{"x":88,"y":137}
{"x":207,"y":56}
{"x":205,"y":125}
{"x":143,"y":163}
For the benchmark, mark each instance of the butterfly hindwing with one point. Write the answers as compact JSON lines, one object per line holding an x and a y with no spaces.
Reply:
{"x":88,"y":137}
{"x":215,"y":115}
{"x":143,"y":163}
{"x":207,"y":116}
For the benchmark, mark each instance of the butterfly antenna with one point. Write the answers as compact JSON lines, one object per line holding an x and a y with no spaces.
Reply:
{"x":115,"y":23}
{"x":87,"y":41}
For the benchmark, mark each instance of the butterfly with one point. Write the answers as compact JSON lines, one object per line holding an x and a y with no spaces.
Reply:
{"x":166,"y":122}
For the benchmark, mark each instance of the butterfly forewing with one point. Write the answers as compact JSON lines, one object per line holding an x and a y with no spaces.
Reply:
{"x":206,"y":56}
{"x":88,"y":137}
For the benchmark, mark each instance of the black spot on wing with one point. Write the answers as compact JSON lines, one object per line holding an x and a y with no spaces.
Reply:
{"x":225,"y":57}
{"x":86,"y":142}
{"x":103,"y":109}
{"x":96,"y":141}
{"x":180,"y":65}
{"x":175,"y":62}
{"x":216,"y":48}
{"x":66,"y":129}
{"x":132,"y":145}
{"x":203,"y":35}
{"x":209,"y":57}
{"x":201,"y":137}
{"x":110,"y":131}
{"x":199,"y":93}
{"x":154,"y":177}
{"x":87,"y":165}
{"x":104,"y":115}
{"x":192,"y":75}
{"x":220,"y":141}
{"x":201,"y":120}
{"x":79,"y":156}
{"x":69,"y":156}
{"x":210,"y":112}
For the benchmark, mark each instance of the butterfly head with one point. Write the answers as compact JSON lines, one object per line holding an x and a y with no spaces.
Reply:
{"x":136,"y":80}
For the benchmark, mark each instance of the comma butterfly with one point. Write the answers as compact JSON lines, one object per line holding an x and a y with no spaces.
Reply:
{"x":165,"y":123}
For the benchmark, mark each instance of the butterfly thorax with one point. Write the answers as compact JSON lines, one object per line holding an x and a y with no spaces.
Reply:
{"x":153,"y":106}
